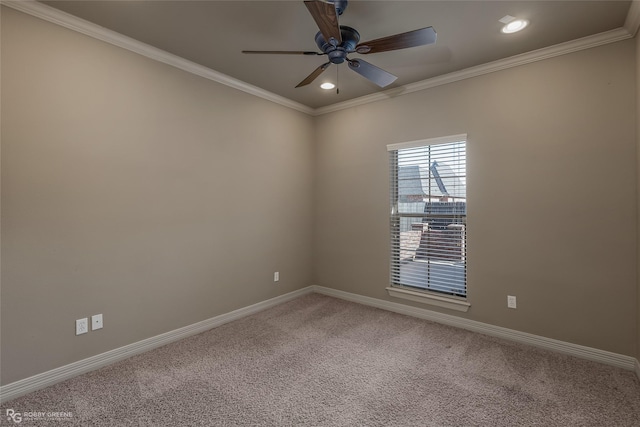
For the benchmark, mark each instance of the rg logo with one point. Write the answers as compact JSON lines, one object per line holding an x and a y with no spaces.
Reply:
{"x":14,"y":416}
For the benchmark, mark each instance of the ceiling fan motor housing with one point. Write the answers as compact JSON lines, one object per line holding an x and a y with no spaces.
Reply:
{"x":338,"y":54}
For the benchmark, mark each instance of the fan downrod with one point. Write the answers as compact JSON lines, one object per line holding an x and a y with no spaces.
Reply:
{"x":340,"y":5}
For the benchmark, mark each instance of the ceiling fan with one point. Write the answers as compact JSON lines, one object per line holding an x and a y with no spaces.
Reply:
{"x":337,"y":41}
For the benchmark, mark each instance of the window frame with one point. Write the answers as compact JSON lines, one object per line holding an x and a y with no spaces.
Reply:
{"x":398,"y":290}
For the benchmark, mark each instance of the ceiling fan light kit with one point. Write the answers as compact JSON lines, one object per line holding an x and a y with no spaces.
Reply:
{"x":337,"y":41}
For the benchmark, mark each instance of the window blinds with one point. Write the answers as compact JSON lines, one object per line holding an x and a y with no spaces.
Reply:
{"x":429,"y":215}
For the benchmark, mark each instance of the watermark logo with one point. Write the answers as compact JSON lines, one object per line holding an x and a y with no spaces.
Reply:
{"x":14,"y":416}
{"x":18,"y":417}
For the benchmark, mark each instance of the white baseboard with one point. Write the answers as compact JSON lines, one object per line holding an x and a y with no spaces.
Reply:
{"x":583,"y":352}
{"x":45,"y":379}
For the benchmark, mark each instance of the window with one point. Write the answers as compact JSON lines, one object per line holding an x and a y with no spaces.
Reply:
{"x":429,"y":217}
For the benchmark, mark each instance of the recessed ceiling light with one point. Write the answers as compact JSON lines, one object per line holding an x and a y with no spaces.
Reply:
{"x":327,"y":85}
{"x":515,"y":26}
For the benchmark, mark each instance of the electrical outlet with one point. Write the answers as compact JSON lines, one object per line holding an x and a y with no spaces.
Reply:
{"x":511,"y":301}
{"x":276,"y":276}
{"x":96,"y":322}
{"x":82,"y":326}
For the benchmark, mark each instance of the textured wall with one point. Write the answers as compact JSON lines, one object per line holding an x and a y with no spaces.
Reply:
{"x":551,"y":193}
{"x":139,"y":191}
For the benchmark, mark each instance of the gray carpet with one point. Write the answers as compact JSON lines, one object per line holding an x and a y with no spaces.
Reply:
{"x":320,"y":361}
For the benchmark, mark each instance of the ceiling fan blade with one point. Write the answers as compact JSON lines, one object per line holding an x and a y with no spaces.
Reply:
{"x":283,"y":52}
{"x":413,"y":38}
{"x":371,"y":72}
{"x":311,"y":77}
{"x":326,"y":18}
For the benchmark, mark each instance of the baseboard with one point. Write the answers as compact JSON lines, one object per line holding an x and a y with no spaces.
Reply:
{"x":45,"y":379}
{"x":583,"y":352}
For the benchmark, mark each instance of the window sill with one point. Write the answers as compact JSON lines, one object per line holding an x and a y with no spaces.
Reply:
{"x":440,"y":301}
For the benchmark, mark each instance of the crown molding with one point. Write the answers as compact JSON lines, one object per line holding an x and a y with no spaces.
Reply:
{"x":632,"y":23}
{"x":490,"y":67}
{"x":90,"y":29}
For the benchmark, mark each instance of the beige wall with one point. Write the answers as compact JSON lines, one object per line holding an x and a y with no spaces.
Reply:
{"x":135,"y":190}
{"x":551,"y":193}
{"x":159,"y":199}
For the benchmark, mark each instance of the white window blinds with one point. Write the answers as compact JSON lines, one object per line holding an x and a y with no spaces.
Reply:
{"x":429,"y":215}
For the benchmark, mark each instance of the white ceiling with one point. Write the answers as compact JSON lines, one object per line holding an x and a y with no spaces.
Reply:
{"x":213,"y":34}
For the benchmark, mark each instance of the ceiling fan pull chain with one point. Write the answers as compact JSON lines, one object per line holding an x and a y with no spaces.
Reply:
{"x":337,"y":80}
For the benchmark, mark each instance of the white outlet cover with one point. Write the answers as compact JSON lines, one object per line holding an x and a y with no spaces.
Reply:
{"x":511,"y":301}
{"x":96,"y":322}
{"x":82,"y":326}
{"x":276,"y":276}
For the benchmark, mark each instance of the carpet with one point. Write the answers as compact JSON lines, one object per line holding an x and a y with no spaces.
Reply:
{"x":321,"y":361}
